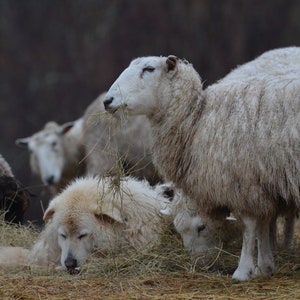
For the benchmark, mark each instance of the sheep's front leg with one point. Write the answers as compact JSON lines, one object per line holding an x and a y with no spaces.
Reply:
{"x":246,"y":268}
{"x":265,"y":259}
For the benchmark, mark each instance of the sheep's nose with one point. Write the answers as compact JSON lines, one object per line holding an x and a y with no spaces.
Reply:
{"x":50,"y":180}
{"x":107,"y":102}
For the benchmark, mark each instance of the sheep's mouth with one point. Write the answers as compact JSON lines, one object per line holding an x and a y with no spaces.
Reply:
{"x":114,"y":109}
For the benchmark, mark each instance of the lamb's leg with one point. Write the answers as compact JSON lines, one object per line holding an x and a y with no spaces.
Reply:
{"x":265,"y":259}
{"x":246,"y":268}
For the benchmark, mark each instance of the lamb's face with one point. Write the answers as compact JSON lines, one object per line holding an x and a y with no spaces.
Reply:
{"x":193,"y":231}
{"x":139,"y":87}
{"x":78,"y":233}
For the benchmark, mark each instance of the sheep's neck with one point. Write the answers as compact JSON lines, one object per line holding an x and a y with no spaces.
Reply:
{"x":173,"y":131}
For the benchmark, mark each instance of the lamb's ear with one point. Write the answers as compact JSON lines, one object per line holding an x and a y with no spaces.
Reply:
{"x":22,"y":143}
{"x":66,"y":127}
{"x":48,"y":214}
{"x":106,"y":219}
{"x":171,"y":62}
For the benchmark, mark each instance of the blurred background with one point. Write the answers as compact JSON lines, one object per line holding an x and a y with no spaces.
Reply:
{"x":57,"y":56}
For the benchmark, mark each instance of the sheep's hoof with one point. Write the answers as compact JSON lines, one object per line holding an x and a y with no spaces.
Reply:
{"x":243,"y":275}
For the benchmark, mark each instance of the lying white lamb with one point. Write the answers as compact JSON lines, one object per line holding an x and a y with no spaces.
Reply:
{"x":93,"y":214}
{"x":231,"y":147}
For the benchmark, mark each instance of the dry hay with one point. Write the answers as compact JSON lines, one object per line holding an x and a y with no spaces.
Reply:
{"x":16,"y":235}
{"x":165,"y":272}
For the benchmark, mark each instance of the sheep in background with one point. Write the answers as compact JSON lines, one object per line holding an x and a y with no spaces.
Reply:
{"x":14,"y":198}
{"x":96,"y":144}
{"x":232,"y":147}
{"x":56,"y":152}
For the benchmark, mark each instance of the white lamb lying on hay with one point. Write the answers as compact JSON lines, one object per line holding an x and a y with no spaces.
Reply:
{"x":93,"y":214}
{"x":95,"y":144}
{"x":232,"y":147}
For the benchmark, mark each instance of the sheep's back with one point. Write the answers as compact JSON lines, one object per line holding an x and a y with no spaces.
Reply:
{"x":247,"y":142}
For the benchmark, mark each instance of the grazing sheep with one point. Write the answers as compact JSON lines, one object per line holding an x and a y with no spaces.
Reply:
{"x":114,"y":145}
{"x":199,"y":233}
{"x":93,"y":213}
{"x":233,"y":147}
{"x":56,"y":153}
{"x":14,"y":198}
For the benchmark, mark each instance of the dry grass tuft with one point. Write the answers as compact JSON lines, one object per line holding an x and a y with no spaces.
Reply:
{"x":16,"y":235}
{"x":165,"y":272}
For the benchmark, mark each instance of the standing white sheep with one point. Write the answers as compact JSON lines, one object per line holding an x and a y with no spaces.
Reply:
{"x":56,"y":153}
{"x":232,"y":147}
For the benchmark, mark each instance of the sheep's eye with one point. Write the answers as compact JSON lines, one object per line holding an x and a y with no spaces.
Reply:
{"x":148,"y":69}
{"x":200,"y":228}
{"x":54,"y":144}
{"x":82,"y":236}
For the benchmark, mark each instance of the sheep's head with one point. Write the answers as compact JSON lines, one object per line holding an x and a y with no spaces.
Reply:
{"x":140,"y":87}
{"x":47,"y":151}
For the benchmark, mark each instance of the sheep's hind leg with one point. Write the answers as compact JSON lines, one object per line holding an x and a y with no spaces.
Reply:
{"x":246,"y":268}
{"x":265,"y":259}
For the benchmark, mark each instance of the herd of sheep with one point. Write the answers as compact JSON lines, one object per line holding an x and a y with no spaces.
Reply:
{"x":225,"y":160}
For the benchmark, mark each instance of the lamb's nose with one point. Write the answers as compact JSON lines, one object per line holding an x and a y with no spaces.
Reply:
{"x":107,"y":102}
{"x":71,"y":263}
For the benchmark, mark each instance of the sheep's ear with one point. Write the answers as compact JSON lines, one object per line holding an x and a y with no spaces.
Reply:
{"x":23,"y":143}
{"x":66,"y":127}
{"x":48,"y":214}
{"x":106,"y":219}
{"x":171,"y":63}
